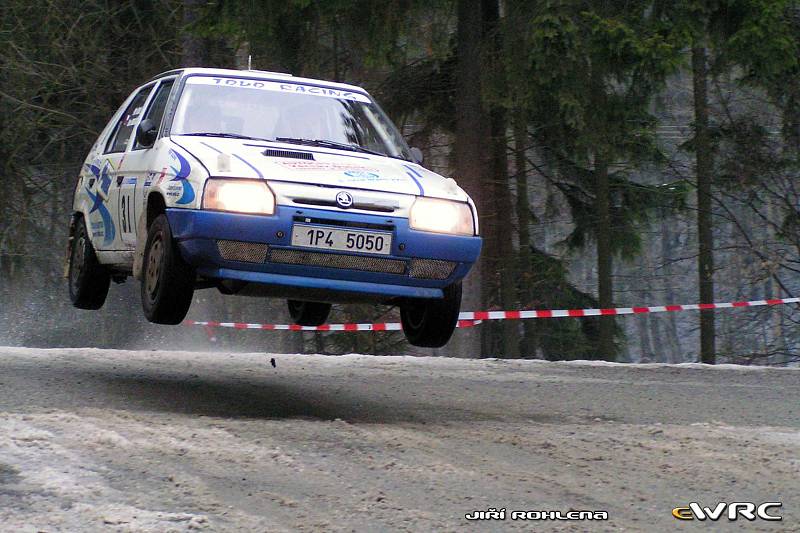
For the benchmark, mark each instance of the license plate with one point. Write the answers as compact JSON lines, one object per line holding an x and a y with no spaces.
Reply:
{"x":345,"y":240}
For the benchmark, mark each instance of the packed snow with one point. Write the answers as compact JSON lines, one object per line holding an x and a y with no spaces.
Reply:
{"x":180,"y":441}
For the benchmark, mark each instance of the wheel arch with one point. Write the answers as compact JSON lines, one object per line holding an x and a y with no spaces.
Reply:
{"x":155,"y":205}
{"x":89,"y":280}
{"x":73,"y":223}
{"x":74,"y":217}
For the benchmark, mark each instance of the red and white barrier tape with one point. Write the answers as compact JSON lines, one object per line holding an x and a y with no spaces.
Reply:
{"x":560,"y":313}
{"x":380,"y":326}
{"x":470,"y":319}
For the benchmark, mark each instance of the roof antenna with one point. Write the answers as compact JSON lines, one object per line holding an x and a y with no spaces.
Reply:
{"x":249,"y":62}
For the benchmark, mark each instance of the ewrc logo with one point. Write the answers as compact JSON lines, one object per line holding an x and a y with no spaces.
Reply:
{"x":746,"y":510}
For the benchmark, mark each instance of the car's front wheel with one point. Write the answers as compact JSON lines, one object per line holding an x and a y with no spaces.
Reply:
{"x":167,"y":280}
{"x":88,"y":279}
{"x":431,"y":323}
{"x":309,"y":313}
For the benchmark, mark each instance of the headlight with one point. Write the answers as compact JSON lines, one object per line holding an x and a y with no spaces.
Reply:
{"x":441,"y":216}
{"x":240,"y":196}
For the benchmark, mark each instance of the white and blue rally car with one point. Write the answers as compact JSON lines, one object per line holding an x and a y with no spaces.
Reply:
{"x":260,"y":183}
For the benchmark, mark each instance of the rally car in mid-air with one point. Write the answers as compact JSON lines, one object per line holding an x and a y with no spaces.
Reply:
{"x":260,"y":183}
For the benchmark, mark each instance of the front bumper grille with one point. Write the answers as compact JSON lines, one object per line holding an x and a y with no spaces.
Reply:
{"x":431,"y":269}
{"x":253,"y":252}
{"x":350,"y":262}
{"x":246,"y":252}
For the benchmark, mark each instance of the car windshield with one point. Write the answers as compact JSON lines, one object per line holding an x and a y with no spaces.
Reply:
{"x":286,"y":111}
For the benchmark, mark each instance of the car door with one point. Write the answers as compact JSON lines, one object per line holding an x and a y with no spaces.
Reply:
{"x":138,"y":171}
{"x":110,"y":173}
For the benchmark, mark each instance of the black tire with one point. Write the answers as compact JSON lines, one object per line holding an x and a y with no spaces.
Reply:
{"x":309,"y":313}
{"x":167,"y":280}
{"x":88,"y":279}
{"x":431,"y":323}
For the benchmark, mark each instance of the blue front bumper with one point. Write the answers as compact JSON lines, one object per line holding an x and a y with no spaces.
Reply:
{"x":198,"y":231}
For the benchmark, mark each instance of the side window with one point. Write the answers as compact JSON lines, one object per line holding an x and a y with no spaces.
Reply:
{"x":122,"y":131}
{"x":157,"y":106}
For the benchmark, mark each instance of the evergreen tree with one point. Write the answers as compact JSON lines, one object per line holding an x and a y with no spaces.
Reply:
{"x":586,"y":83}
{"x":722,"y":36}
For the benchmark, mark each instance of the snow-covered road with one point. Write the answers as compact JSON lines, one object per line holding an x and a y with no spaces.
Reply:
{"x":175,"y":441}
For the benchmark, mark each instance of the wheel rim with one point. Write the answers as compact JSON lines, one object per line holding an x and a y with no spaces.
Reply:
{"x":78,"y":261}
{"x":155,"y":259}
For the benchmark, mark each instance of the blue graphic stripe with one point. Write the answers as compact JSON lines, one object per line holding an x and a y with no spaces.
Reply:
{"x":108,"y":224}
{"x":260,"y":175}
{"x":413,"y":174}
{"x":258,"y":172}
{"x":187,"y":196}
{"x":209,"y":146}
{"x":413,"y":171}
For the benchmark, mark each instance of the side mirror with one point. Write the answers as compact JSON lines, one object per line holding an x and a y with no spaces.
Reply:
{"x":416,"y":155}
{"x":146,"y":133}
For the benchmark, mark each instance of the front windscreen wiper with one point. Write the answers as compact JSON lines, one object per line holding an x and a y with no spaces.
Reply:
{"x":322,"y":143}
{"x":225,"y":135}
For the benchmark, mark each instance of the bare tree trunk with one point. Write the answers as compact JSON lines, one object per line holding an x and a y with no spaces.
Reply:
{"x":705,"y":235}
{"x":660,"y":350}
{"x":335,"y":30}
{"x":643,"y":329}
{"x":470,"y":164}
{"x":200,"y":51}
{"x":675,"y":349}
{"x":194,"y":48}
{"x":605,"y":282}
{"x":242,"y":57}
{"x":644,"y":323}
{"x":525,"y":277}
{"x":501,"y":231}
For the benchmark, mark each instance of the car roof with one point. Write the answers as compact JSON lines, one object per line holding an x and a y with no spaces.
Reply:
{"x":258,"y":74}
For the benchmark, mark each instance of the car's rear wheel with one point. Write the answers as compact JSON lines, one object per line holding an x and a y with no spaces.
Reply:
{"x":88,"y":279}
{"x":309,"y":313}
{"x":167,"y":280}
{"x":431,"y":323}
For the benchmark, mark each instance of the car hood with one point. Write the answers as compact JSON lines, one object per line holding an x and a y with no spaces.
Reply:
{"x":320,"y":166}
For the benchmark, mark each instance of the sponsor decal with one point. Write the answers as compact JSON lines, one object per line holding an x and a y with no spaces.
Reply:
{"x":161,"y":176}
{"x":275,"y":86}
{"x":322,"y":165}
{"x":98,"y":199}
{"x":181,"y":169}
{"x":362,"y":175}
{"x":350,"y":173}
{"x":174,"y":191}
{"x":98,"y":231}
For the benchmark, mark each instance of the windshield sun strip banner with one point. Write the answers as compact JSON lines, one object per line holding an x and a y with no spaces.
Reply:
{"x":278,"y":86}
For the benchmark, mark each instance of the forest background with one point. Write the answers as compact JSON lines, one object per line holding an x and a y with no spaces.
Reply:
{"x":644,"y":152}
